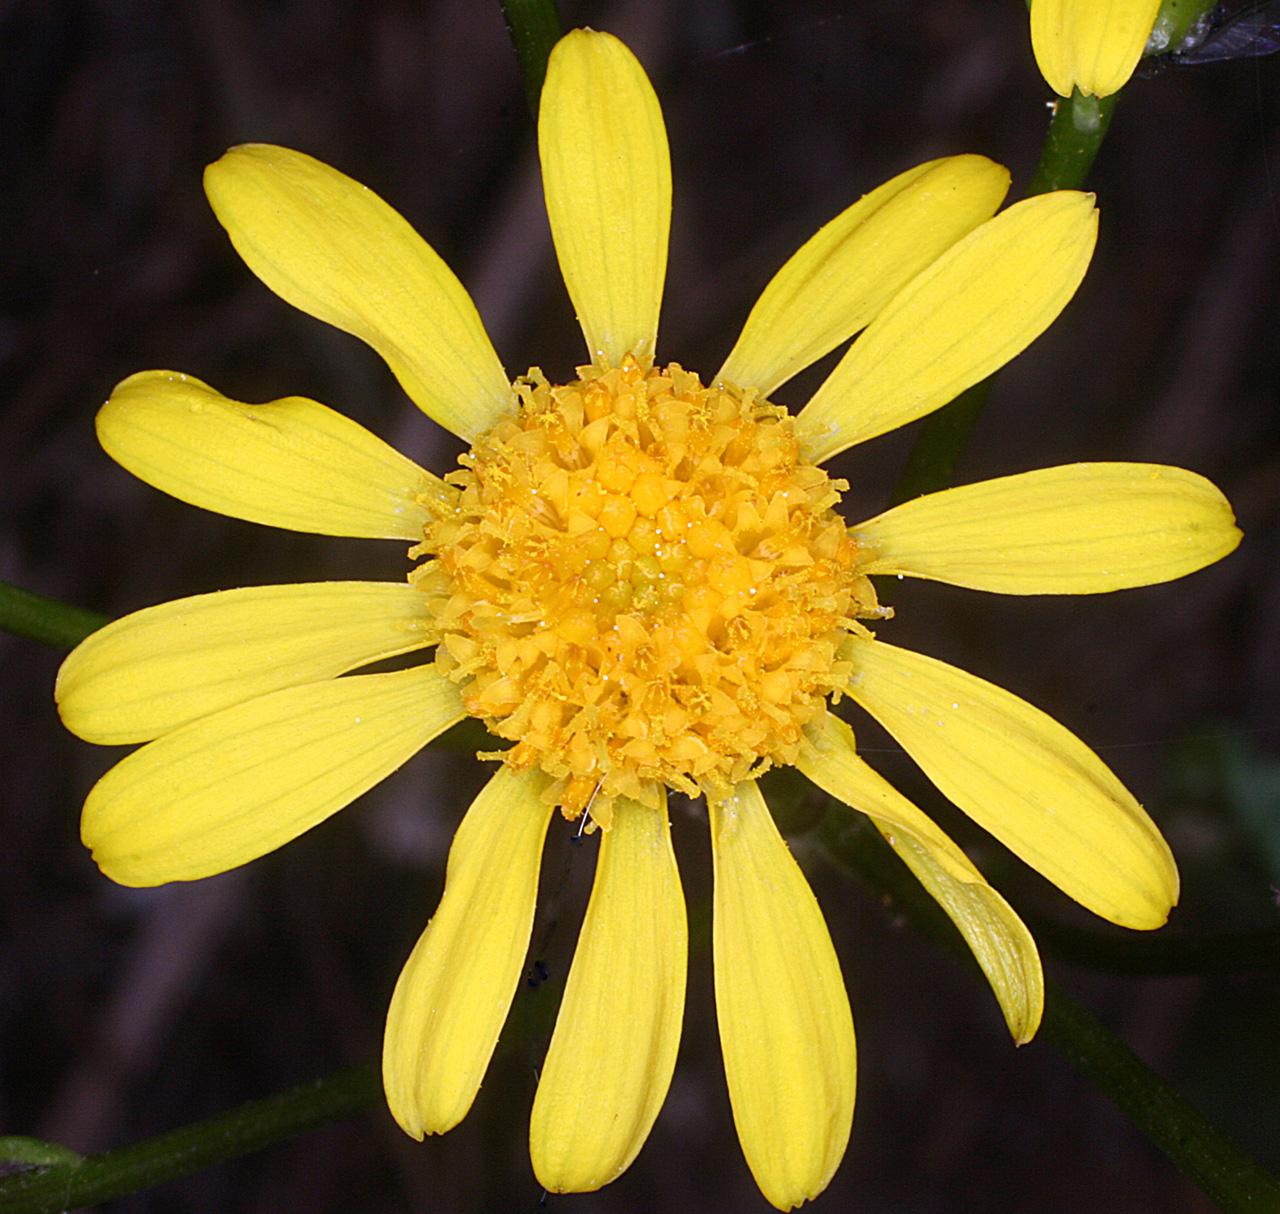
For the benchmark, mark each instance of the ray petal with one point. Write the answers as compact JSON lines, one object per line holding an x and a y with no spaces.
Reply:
{"x":981,"y":303}
{"x":1022,"y":776}
{"x":233,"y":786}
{"x":614,"y":1048}
{"x":455,"y":990}
{"x":155,"y":670}
{"x":1076,"y":529}
{"x":293,"y":463}
{"x":785,"y":1026}
{"x":998,"y":939}
{"x":334,"y":249}
{"x":606,"y":174}
{"x":844,"y":274}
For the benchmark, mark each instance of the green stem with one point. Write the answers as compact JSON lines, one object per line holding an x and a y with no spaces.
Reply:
{"x":1234,"y":1180}
{"x":43,"y":619}
{"x":142,"y":1165}
{"x":1224,"y":1172}
{"x":1174,"y":22}
{"x":931,"y":464}
{"x":1075,"y":134}
{"x":34,"y":1152}
{"x":534,"y":26}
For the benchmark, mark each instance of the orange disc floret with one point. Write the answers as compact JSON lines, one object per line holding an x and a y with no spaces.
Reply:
{"x":641,"y":584}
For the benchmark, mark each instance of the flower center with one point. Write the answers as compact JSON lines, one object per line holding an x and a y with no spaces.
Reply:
{"x":641,"y":584}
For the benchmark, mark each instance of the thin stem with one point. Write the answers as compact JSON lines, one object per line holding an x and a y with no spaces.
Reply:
{"x":1225,"y":1173}
{"x":142,"y":1165}
{"x":1234,"y":1180}
{"x":44,"y":619}
{"x":931,"y":464}
{"x":534,"y":26}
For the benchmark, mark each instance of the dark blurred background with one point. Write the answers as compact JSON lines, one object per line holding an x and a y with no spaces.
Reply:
{"x":124,"y":1013}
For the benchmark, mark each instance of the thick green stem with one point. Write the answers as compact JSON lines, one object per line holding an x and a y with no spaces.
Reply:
{"x":534,"y":26}
{"x":142,"y":1165}
{"x":1234,"y":1180}
{"x":47,"y":620}
{"x":34,"y":1152}
{"x":1076,"y":132}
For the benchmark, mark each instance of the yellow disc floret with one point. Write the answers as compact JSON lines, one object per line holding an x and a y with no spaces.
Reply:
{"x":641,"y":584}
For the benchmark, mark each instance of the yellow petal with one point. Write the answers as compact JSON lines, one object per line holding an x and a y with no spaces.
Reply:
{"x":233,"y":786}
{"x":1022,"y":776}
{"x":1076,"y":529}
{"x":610,"y":1061}
{"x":293,"y":463}
{"x":455,"y":990}
{"x":157,"y":669}
{"x":334,"y":249}
{"x":998,"y":939}
{"x":606,"y":173}
{"x":785,"y":1025}
{"x":977,"y":306}
{"x":847,"y":272}
{"x":1091,"y":44}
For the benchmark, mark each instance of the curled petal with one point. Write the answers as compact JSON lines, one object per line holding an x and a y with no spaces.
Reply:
{"x":998,"y":939}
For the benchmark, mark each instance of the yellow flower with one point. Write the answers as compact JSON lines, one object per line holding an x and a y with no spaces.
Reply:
{"x":1092,"y":45}
{"x":639,"y":579}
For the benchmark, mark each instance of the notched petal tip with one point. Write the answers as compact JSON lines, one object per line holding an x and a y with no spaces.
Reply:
{"x":1092,"y":45}
{"x":292,"y":463}
{"x":118,"y":867}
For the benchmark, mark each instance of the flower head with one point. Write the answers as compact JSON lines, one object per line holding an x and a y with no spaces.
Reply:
{"x":640,"y":579}
{"x":1092,"y":45}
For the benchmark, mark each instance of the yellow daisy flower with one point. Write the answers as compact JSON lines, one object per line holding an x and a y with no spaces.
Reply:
{"x":640,"y":580}
{"x":1092,"y":45}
